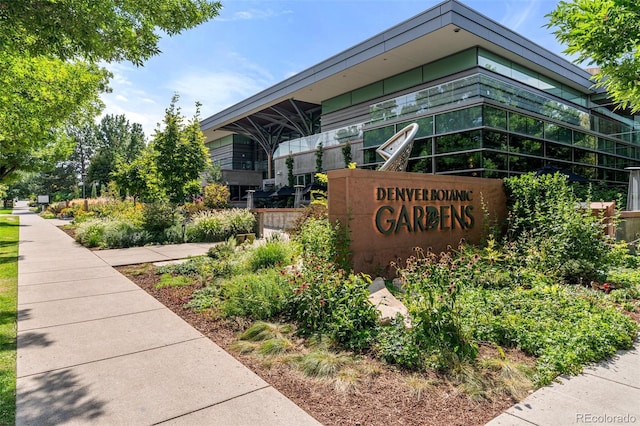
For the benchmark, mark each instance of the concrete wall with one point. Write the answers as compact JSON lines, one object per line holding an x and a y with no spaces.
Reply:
{"x":277,"y":218}
{"x":390,"y":213}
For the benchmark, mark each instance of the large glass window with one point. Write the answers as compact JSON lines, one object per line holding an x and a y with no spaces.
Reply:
{"x":495,"y":161}
{"x":425,"y":126}
{"x":605,"y":145}
{"x":455,"y":162}
{"x":524,"y":164}
{"x":584,"y":157}
{"x":370,"y":156}
{"x":421,"y":148}
{"x":525,"y":145}
{"x":377,"y":137}
{"x":494,"y":140}
{"x":526,"y":125}
{"x":461,"y":119}
{"x":459,"y":142}
{"x":557,"y":133}
{"x":584,"y":140}
{"x":558,"y":152}
{"x":423,"y":165}
{"x":494,"y":117}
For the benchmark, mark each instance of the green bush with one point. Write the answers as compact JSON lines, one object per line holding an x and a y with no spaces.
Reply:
{"x":322,"y":240}
{"x":158,"y":217}
{"x":330,"y":302}
{"x":206,"y":226}
{"x":204,"y":298}
{"x":121,"y":234}
{"x":216,"y":196}
{"x":551,"y":229}
{"x":91,"y":232}
{"x":272,"y":253}
{"x":396,"y":344}
{"x":258,"y":296}
{"x":433,"y":284}
{"x":223,"y":250}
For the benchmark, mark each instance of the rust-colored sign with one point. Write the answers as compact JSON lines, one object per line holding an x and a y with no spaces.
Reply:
{"x":390,"y":213}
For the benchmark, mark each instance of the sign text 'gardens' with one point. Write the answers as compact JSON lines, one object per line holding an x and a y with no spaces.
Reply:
{"x":420,"y":216}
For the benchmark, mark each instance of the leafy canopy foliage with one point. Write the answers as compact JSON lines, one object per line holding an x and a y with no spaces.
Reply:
{"x":49,"y":52}
{"x":38,"y":95}
{"x":95,"y":30}
{"x":116,"y":139}
{"x":550,"y":229}
{"x":181,"y":154}
{"x":605,"y":32}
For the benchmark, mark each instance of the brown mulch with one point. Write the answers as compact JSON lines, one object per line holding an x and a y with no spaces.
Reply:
{"x":384,"y":398}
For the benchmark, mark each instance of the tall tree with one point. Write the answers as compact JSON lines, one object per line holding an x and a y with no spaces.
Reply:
{"x":37,"y":96}
{"x":181,"y":154}
{"x":139,"y":178}
{"x":48,"y":55}
{"x":97,"y":30}
{"x":116,"y":138}
{"x":605,"y":33}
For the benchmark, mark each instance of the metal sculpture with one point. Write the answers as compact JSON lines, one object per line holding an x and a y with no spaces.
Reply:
{"x":397,"y":149}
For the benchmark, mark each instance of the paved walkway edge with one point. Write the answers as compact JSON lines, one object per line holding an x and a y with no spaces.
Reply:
{"x":93,"y":348}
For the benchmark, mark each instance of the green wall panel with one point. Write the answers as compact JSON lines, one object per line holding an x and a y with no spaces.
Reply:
{"x":403,"y":81}
{"x":449,"y":65}
{"x":366,"y":93}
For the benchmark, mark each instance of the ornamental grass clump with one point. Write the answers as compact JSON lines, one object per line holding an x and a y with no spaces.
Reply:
{"x":219,"y":225}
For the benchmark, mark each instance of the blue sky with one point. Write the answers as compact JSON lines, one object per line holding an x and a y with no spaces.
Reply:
{"x":254,"y":44}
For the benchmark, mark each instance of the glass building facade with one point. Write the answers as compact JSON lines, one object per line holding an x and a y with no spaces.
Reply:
{"x":498,"y":119}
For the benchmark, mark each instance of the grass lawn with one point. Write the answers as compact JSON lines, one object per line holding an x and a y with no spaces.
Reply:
{"x":5,"y":211}
{"x":8,"y":316}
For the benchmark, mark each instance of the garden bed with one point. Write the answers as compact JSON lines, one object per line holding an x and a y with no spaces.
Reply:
{"x":389,"y":396}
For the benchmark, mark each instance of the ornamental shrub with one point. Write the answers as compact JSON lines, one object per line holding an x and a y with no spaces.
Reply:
{"x":433,"y":284}
{"x":327,"y":301}
{"x":122,"y":234}
{"x":271,"y":254}
{"x":216,"y":196}
{"x":550,"y":228}
{"x":91,"y":232}
{"x":159,"y":216}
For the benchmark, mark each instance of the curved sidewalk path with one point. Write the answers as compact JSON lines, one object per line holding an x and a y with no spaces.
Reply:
{"x":94,"y":348}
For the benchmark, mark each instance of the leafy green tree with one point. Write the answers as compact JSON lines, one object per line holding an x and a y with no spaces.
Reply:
{"x":181,"y":154}
{"x":139,"y":178}
{"x":49,"y":52}
{"x":95,"y":30}
{"x":38,"y":96}
{"x":116,"y":138}
{"x":605,"y":33}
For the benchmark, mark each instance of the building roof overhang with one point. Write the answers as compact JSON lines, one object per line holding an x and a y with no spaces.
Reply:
{"x":445,"y":29}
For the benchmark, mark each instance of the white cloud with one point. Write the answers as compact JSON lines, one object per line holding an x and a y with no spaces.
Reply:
{"x":519,"y":13}
{"x":251,"y":15}
{"x":216,"y":88}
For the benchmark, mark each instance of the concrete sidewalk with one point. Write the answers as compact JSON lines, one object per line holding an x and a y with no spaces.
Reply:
{"x":606,"y":393}
{"x":94,"y":348}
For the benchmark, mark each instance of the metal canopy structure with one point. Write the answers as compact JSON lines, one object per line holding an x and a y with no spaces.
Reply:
{"x":285,"y":120}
